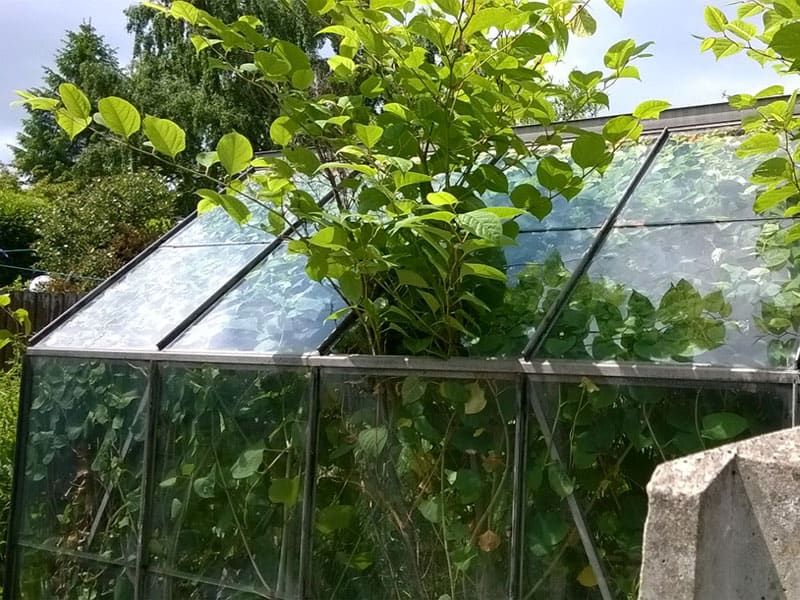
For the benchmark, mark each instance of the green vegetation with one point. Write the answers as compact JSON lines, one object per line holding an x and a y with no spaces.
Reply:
{"x":20,"y":217}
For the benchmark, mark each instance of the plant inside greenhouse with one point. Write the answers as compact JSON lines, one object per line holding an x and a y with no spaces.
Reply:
{"x":434,"y":346}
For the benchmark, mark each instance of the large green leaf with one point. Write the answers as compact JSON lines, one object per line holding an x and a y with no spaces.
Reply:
{"x":588,"y":150}
{"x":759,"y":143}
{"x":248,"y":463}
{"x":372,"y":441}
{"x":715,"y":19}
{"x":119,"y":115}
{"x":75,"y":101}
{"x":165,"y":136}
{"x":723,"y":426}
{"x":335,"y":517}
{"x":285,"y":491}
{"x":71,"y":124}
{"x":235,"y":152}
{"x":786,"y":41}
{"x":483,"y":224}
{"x":368,"y":134}
{"x":650,"y":109}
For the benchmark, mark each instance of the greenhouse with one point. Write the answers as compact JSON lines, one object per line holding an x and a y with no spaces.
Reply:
{"x":197,"y":427}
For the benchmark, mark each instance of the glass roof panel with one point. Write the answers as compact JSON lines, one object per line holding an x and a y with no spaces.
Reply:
{"x":695,"y":177}
{"x":590,"y":208}
{"x":216,"y":227}
{"x":537,"y":268}
{"x":276,"y":308}
{"x":147,"y":302}
{"x":724,"y":294}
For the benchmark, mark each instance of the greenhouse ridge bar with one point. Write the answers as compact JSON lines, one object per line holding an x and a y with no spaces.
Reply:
{"x":225,"y":449}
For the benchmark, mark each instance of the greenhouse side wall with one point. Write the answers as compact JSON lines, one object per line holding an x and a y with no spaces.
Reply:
{"x":178,"y":479}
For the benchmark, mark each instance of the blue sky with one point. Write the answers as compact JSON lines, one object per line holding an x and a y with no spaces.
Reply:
{"x":677,"y":73}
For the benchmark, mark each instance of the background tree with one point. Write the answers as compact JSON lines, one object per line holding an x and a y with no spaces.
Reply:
{"x":42,"y":152}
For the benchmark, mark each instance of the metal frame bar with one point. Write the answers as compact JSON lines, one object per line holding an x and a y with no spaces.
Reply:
{"x":309,"y":486}
{"x":119,"y":274}
{"x":148,"y":477}
{"x":554,"y":311}
{"x":538,"y":369}
{"x":11,"y":581}
{"x":519,"y":498}
{"x":577,"y":515}
{"x":232,"y":282}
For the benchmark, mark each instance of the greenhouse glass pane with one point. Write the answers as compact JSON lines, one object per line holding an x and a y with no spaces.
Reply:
{"x":414,"y":487}
{"x":276,"y":308}
{"x":612,"y":437}
{"x":82,"y":486}
{"x":162,"y":586}
{"x":229,"y":463}
{"x":592,"y":205}
{"x":146,"y":303}
{"x":46,"y":575}
{"x":537,"y":268}
{"x":217,"y":227}
{"x":724,"y":294}
{"x":695,"y":177}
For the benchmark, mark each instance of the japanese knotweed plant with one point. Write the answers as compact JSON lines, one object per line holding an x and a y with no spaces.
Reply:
{"x":422,"y":132}
{"x":769,"y":33}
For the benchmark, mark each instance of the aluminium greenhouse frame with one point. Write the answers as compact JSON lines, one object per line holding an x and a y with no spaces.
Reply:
{"x":524,"y":371}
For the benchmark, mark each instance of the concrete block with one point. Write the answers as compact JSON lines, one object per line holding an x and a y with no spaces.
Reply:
{"x":725,"y":524}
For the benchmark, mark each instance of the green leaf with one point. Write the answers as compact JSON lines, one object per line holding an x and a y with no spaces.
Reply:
{"x":185,"y":11}
{"x":411,"y":278}
{"x":650,"y":109}
{"x":487,"y":18}
{"x":759,"y":143}
{"x":723,"y":426}
{"x":368,"y":134}
{"x":165,"y":136}
{"x":235,"y":152}
{"x":204,"y":486}
{"x":284,"y":491}
{"x":413,"y":389}
{"x":248,"y":463}
{"x":450,"y":7}
{"x":480,"y":270}
{"x":335,"y":517}
{"x":119,"y":115}
{"x":786,"y":41}
{"x":372,"y":441}
{"x":441,"y":199}
{"x":282,"y":130}
{"x":330,"y":237}
{"x":483,"y":224}
{"x":431,"y":509}
{"x":616,"y":6}
{"x":528,"y":197}
{"x":715,"y":19}
{"x":620,"y":128}
{"x":320,"y":7}
{"x":772,"y":170}
{"x":771,"y":198}
{"x":469,"y":484}
{"x":553,"y":173}
{"x":476,"y":401}
{"x":75,"y":101}
{"x":588,"y":150}
{"x":559,"y":481}
{"x":70,"y":124}
{"x":584,"y":24}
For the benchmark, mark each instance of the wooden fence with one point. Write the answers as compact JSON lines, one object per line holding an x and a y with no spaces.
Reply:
{"x":42,"y":307}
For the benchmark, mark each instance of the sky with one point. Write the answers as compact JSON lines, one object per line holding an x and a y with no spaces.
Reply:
{"x":678,"y":73}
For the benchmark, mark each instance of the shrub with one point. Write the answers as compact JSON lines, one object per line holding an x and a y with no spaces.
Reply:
{"x":91,"y":229}
{"x":20,"y":216}
{"x":9,"y":393}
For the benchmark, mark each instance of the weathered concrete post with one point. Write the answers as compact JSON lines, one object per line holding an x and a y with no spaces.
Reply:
{"x":725,"y":524}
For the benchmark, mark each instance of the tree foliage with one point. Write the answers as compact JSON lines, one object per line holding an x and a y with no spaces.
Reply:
{"x":89,"y":229}
{"x":42,"y":151}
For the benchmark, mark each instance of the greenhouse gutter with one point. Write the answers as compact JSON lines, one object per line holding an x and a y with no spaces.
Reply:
{"x":454,"y":367}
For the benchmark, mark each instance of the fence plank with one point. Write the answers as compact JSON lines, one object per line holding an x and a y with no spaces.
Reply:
{"x":42,"y":307}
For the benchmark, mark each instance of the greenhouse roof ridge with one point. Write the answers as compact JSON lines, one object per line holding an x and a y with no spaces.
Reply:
{"x":700,"y":116}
